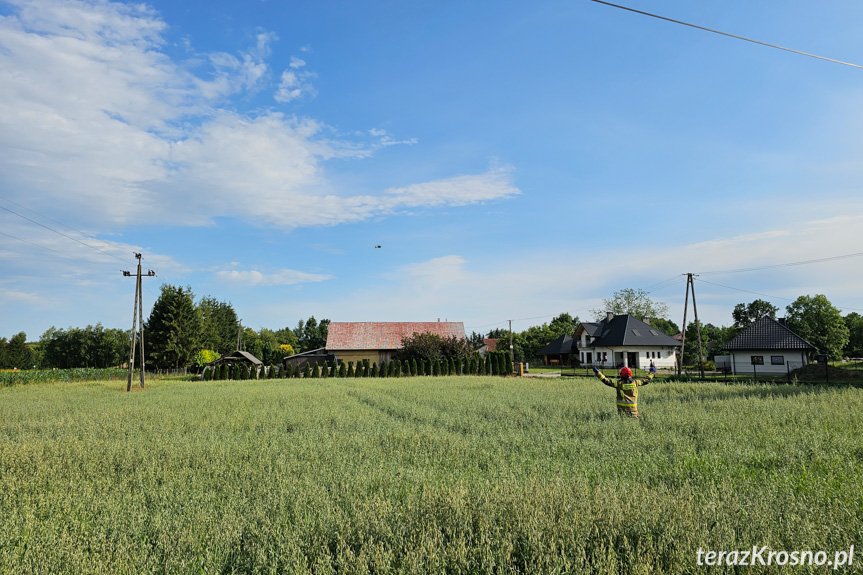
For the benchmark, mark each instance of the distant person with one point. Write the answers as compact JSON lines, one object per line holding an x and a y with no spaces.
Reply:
{"x":627,"y":389}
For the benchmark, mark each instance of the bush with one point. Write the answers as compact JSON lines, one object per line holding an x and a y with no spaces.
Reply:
{"x":343,"y":372}
{"x":385,"y":369}
{"x":350,"y":371}
{"x":307,"y":370}
{"x":325,"y":370}
{"x":413,"y":367}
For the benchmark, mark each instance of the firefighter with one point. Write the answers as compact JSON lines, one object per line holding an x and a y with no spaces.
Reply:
{"x":627,"y":389}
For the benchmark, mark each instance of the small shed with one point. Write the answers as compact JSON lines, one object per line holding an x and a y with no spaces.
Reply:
{"x":767,"y":346}
{"x":559,"y":351}
{"x":238,"y":358}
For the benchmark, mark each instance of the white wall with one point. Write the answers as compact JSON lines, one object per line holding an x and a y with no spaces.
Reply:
{"x":741,"y":362}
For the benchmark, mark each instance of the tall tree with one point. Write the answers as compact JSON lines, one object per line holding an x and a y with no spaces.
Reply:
{"x":854,"y":323}
{"x":636,"y":302}
{"x":219,"y":323}
{"x":172,"y":330}
{"x":17,"y":353}
{"x":746,"y":314}
{"x":311,"y":334}
{"x":666,"y":326}
{"x":817,"y":321}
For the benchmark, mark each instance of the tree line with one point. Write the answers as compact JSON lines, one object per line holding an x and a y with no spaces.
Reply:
{"x":178,"y":333}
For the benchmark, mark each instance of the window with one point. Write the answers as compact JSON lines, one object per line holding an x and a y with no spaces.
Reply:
{"x":635,"y":331}
{"x":654,"y":332}
{"x":757,"y":360}
{"x":777,"y":360}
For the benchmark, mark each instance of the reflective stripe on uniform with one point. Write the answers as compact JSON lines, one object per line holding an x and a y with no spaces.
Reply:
{"x":628,"y":386}
{"x":622,"y":404}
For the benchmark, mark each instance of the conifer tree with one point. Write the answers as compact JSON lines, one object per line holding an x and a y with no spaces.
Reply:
{"x":350,"y":371}
{"x":374,"y":372}
{"x":307,"y":371}
{"x":385,"y":369}
{"x":507,"y":363}
{"x":413,"y":367}
{"x":325,"y":370}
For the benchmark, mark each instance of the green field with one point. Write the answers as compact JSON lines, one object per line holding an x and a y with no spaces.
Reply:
{"x":422,"y":475}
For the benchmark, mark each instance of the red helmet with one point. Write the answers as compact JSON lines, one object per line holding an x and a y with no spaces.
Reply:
{"x":625,"y":372}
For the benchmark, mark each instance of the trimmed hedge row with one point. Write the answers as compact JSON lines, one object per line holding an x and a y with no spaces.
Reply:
{"x":495,"y":363}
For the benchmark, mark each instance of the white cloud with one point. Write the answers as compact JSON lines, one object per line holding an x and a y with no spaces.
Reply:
{"x":98,"y":118}
{"x":277,"y":278}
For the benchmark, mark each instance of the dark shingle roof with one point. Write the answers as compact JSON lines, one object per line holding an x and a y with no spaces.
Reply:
{"x":626,"y":330}
{"x":563,"y":344}
{"x":767,"y":333}
{"x":384,"y":334}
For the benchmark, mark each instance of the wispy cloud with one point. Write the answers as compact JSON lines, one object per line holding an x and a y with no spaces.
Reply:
{"x":275,"y":278}
{"x":98,"y":117}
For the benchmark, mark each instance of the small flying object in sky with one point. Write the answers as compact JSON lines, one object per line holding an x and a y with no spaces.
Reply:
{"x":376,"y":247}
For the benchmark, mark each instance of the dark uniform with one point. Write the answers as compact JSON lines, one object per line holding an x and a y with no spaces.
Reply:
{"x":627,"y":391}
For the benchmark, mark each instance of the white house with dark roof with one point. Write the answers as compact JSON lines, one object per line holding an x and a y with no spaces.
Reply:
{"x":767,"y":347}
{"x":624,"y":340}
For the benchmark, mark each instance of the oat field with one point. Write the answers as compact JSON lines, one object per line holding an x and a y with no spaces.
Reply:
{"x":422,"y":475}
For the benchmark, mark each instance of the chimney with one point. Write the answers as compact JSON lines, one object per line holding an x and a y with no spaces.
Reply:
{"x":783,"y":321}
{"x":609,"y":316}
{"x":646,"y":320}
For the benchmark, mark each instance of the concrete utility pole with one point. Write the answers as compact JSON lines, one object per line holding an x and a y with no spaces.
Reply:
{"x":138,"y":310}
{"x":690,"y":284}
{"x":511,"y":349}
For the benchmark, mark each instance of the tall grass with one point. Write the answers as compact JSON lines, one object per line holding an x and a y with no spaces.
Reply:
{"x":421,"y":475}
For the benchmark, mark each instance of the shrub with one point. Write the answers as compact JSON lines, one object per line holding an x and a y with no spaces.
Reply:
{"x":325,"y":370}
{"x":343,"y":370}
{"x":374,"y":372}
{"x":307,"y":370}
{"x":365,"y":368}
{"x":413,"y":367}
{"x":350,"y":371}
{"x":507,"y":363}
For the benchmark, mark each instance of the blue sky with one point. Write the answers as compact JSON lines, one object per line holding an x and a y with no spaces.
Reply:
{"x":513,"y":160}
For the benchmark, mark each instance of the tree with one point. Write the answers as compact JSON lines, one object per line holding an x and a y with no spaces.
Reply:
{"x":310,"y":334}
{"x":17,"y":352}
{"x":350,"y":372}
{"x":666,"y":326}
{"x":854,"y":323}
{"x":634,"y":302}
{"x":816,"y":320}
{"x":218,"y":325}
{"x":172,"y":329}
{"x":746,"y":314}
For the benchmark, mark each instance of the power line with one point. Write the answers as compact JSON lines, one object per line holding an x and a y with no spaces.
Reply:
{"x":768,"y":295}
{"x":727,"y":34}
{"x":61,"y":233}
{"x":57,"y":252}
{"x":785,"y":265}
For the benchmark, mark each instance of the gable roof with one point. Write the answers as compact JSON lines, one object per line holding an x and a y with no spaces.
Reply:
{"x":385,"y":334}
{"x":625,"y":330}
{"x":239,"y":356}
{"x":767,"y":333}
{"x":562,"y":345}
{"x":491,"y":343}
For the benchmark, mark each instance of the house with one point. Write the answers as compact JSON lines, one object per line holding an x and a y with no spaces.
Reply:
{"x":488,"y":344}
{"x":767,"y":347}
{"x":624,"y":340}
{"x":378,"y":341}
{"x":561,"y":351}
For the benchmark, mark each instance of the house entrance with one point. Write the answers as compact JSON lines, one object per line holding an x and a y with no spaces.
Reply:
{"x":632,"y":359}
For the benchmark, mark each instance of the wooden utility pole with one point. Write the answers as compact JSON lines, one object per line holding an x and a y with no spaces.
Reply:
{"x":138,"y":309}
{"x":690,"y":284}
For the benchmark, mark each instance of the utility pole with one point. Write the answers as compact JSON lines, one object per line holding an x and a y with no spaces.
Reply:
{"x":138,"y":309}
{"x":690,"y":284}
{"x":511,"y":349}
{"x":239,"y":334}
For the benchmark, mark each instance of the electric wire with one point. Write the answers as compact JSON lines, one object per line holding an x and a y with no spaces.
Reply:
{"x":727,"y":34}
{"x":62,"y":234}
{"x":58,"y":252}
{"x":768,"y":295}
{"x":785,"y":265}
